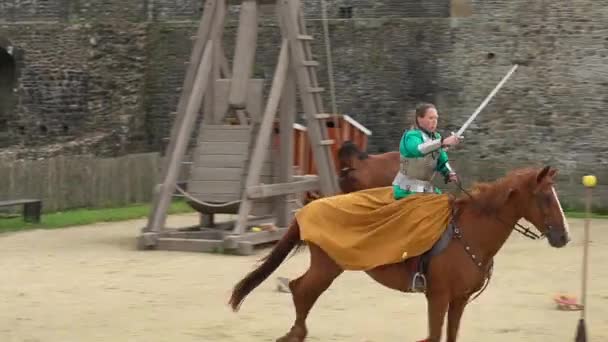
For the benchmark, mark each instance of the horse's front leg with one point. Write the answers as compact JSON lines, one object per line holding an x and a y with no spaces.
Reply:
{"x":454,"y":316}
{"x":437,"y":307}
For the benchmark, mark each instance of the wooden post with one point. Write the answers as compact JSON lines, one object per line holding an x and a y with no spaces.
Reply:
{"x":263,"y":137}
{"x":201,"y":40}
{"x":287,"y":119}
{"x":159,"y":214}
{"x":589,"y":182}
{"x":216,"y":35}
{"x":244,"y":55}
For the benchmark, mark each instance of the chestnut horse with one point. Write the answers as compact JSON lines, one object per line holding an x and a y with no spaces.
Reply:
{"x":360,"y":170}
{"x":481,"y":223}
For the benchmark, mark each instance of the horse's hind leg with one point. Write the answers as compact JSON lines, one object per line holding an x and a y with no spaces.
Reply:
{"x":307,"y":288}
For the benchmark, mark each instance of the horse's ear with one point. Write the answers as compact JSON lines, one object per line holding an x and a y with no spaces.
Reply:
{"x":510,"y":193}
{"x":542,"y":174}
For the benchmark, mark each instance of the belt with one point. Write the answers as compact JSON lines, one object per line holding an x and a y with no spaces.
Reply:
{"x":414,"y":185}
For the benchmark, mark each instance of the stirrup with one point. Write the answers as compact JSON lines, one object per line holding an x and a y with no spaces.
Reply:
{"x":418,"y":283}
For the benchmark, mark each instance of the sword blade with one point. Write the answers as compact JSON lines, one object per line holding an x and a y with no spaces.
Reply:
{"x":486,"y":101}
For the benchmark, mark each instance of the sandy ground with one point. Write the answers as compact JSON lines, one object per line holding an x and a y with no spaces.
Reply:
{"x":91,"y":284}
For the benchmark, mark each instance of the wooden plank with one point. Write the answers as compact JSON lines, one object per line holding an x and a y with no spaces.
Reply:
{"x":266,"y":174}
{"x":215,"y":187}
{"x":264,"y":135}
{"x":254,"y":238}
{"x":208,"y":234}
{"x":216,"y":160}
{"x":224,"y":148}
{"x":232,"y":174}
{"x":269,"y":190}
{"x":159,"y":213}
{"x":189,"y":245}
{"x":244,"y":54}
{"x":225,"y":135}
{"x":18,"y":202}
{"x":223,"y":174}
{"x":356,"y":124}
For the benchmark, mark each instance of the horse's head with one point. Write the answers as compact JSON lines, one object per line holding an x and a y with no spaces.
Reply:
{"x":540,"y":205}
{"x":347,"y":154}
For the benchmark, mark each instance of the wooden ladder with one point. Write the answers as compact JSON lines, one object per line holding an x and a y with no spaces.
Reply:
{"x":310,"y":95}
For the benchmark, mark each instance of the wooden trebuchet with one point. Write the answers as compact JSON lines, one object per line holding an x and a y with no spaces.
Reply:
{"x":234,"y":167}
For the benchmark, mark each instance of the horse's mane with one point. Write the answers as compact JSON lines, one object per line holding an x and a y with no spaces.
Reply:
{"x":348,"y":149}
{"x":490,"y":196}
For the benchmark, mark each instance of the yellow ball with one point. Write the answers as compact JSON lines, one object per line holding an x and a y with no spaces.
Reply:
{"x":589,"y":181}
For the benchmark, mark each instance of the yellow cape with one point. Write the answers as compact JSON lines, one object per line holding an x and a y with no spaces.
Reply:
{"x":368,"y":228}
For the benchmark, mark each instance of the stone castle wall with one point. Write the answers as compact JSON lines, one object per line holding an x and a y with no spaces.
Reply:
{"x":102,"y":77}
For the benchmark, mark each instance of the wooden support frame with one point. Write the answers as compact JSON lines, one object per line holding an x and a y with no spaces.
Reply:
{"x":211,"y":87}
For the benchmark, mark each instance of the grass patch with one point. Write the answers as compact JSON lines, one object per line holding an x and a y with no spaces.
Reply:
{"x":88,"y":216}
{"x":79,"y":217}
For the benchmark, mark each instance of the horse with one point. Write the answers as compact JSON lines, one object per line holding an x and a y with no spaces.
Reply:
{"x":360,"y":170}
{"x":481,"y":220}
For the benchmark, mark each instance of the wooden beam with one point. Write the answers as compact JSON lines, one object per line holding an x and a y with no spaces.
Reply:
{"x":264,"y":134}
{"x":202,"y":35}
{"x":167,"y":188}
{"x":244,"y":54}
{"x":269,"y":190}
{"x":232,"y":242}
{"x":217,"y":36}
{"x":287,"y":116}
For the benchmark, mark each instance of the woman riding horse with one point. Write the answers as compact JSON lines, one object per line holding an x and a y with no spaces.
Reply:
{"x":422,"y":154}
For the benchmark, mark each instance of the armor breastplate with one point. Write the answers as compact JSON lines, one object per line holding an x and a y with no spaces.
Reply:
{"x":420,"y":168}
{"x":415,"y":174}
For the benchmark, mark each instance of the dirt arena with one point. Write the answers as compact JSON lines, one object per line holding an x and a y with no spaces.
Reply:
{"x":91,"y":284}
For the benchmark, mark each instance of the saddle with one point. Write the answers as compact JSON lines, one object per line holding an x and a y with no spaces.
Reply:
{"x":420,"y":263}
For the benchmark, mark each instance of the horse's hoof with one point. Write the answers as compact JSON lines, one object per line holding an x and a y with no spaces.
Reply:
{"x":289,"y":338}
{"x":294,"y":335}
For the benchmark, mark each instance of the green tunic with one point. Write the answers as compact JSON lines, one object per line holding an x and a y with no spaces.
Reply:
{"x":408,"y":148}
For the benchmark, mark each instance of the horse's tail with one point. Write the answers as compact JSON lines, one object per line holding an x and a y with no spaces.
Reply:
{"x":270,"y":263}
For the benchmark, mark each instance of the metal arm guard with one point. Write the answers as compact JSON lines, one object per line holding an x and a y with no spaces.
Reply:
{"x":429,"y":146}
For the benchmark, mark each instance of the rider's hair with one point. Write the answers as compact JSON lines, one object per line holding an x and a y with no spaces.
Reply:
{"x":421,"y":110}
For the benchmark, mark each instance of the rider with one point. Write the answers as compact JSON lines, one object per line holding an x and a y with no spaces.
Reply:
{"x":422,"y":154}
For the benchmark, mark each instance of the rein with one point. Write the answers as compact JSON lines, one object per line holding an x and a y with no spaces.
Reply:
{"x":525,"y":231}
{"x":476,"y":261}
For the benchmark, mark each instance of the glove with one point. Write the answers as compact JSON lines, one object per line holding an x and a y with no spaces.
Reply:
{"x":452,"y":177}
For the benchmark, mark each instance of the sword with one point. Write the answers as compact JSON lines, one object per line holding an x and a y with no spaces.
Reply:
{"x":485,"y":102}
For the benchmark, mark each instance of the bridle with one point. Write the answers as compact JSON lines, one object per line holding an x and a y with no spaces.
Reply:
{"x":525,"y":231}
{"x":345,"y":170}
